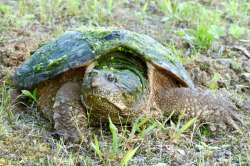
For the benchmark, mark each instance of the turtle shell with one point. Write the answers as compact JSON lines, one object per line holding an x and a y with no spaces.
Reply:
{"x":76,"y":49}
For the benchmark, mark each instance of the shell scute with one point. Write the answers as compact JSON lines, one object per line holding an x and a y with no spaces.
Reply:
{"x":76,"y":48}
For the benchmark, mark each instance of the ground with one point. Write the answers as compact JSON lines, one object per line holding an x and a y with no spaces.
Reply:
{"x":211,"y":38}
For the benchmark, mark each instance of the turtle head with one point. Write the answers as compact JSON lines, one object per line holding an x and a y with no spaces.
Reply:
{"x":117,"y":92}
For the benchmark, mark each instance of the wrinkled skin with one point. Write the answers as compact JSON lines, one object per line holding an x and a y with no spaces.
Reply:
{"x":117,"y":87}
{"x":115,"y":93}
{"x":123,"y":94}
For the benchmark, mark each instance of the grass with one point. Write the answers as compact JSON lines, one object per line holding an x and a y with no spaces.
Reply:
{"x":190,"y":29}
{"x":33,"y":97}
{"x":5,"y":104}
{"x":213,"y":83}
{"x":236,"y":31}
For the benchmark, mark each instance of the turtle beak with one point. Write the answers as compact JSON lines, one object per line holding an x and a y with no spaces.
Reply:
{"x":120,"y":106}
{"x":95,"y":80}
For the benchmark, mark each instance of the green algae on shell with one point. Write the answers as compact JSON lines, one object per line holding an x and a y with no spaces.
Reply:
{"x":76,"y":49}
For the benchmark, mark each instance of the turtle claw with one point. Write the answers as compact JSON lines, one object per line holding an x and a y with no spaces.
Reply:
{"x":67,"y":136}
{"x":226,"y":118}
{"x":231,"y":119}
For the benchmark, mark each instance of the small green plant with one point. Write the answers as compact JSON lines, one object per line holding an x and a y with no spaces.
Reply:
{"x":167,"y":7}
{"x":145,"y":7}
{"x":188,"y":11}
{"x":213,"y":85}
{"x":32,"y":95}
{"x":110,"y":6}
{"x":94,"y":11}
{"x":6,"y":17}
{"x":96,"y":146}
{"x":205,"y":151}
{"x":115,"y":152}
{"x":72,"y":7}
{"x":43,"y":11}
{"x":202,"y":37}
{"x":193,"y":13}
{"x":139,"y":122}
{"x":5,"y":102}
{"x":248,"y":159}
{"x":176,"y":130}
{"x":22,"y":7}
{"x":217,"y":31}
{"x":128,"y":156}
{"x":205,"y":131}
{"x":236,"y":31}
{"x":180,"y":130}
{"x":142,"y":126}
{"x":115,"y":137}
{"x":236,"y":9}
{"x":56,"y":7}
{"x":4,"y":9}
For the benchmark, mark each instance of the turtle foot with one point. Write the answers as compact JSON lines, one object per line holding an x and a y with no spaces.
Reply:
{"x":218,"y":112}
{"x":69,"y":117}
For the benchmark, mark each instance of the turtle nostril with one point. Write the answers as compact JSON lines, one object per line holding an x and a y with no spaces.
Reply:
{"x":94,"y":83}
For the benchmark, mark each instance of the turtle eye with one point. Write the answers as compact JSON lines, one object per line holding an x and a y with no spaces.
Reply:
{"x":111,"y":77}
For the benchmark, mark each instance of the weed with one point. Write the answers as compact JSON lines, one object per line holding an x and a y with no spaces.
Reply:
{"x":213,"y":83}
{"x":56,"y":8}
{"x":115,"y":138}
{"x":72,"y":7}
{"x":236,"y":31}
{"x":33,"y":97}
{"x":202,"y":38}
{"x":128,"y":156}
{"x":216,"y":31}
{"x":205,"y":151}
{"x":4,"y":108}
{"x":110,"y":6}
{"x":142,"y":126}
{"x":145,"y":7}
{"x":180,"y":130}
{"x":22,"y":7}
{"x":96,"y":146}
{"x":205,"y":131}
{"x":5,"y":103}
{"x":167,"y":7}
{"x":248,"y":159}
{"x":236,"y":9}
{"x":138,"y":123}
{"x":194,"y":13}
{"x":184,"y":58}
{"x":5,"y":9}
{"x":43,"y":11}
{"x":188,"y":11}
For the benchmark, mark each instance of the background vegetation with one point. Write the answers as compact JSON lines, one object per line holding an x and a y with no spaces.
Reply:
{"x":212,"y":39}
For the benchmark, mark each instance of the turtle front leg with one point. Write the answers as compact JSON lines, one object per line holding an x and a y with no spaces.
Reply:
{"x":202,"y":104}
{"x":69,"y":117}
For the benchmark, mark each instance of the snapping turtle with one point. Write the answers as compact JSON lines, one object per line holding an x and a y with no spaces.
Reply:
{"x":84,"y":77}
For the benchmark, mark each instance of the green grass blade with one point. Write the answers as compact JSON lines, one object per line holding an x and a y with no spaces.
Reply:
{"x":115,"y":138}
{"x":128,"y":156}
{"x":30,"y":95}
{"x":184,"y":128}
{"x":96,"y":146}
{"x":148,"y":130}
